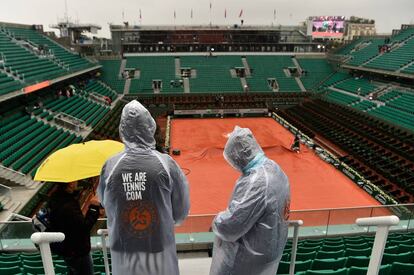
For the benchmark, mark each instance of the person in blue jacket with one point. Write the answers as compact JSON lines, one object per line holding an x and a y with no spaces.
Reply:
{"x":144,"y":193}
{"x":252,"y":232}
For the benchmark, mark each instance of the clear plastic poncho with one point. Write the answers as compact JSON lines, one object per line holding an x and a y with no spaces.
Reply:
{"x":252,"y":232}
{"x":144,"y":194}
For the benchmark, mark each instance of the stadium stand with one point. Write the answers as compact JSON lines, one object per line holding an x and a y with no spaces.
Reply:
{"x":365,"y":52}
{"x":359,"y":86}
{"x":110,"y":74}
{"x":213,"y":73}
{"x":265,"y":67}
{"x":335,"y":78}
{"x":153,"y":68}
{"x":348,"y":48}
{"x":342,"y":98}
{"x":25,"y":64}
{"x":25,"y":142}
{"x":377,"y":145}
{"x":80,"y":107}
{"x":397,"y":58}
{"x":349,"y":255}
{"x":71,"y":61}
{"x":316,"y":69}
{"x":100,"y":88}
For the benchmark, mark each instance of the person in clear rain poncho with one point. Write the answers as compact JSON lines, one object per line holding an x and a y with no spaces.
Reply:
{"x":252,"y":232}
{"x":144,"y":194}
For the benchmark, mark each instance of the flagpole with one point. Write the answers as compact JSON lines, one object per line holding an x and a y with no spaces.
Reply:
{"x":210,"y":13}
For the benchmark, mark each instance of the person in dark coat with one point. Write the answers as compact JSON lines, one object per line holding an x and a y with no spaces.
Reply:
{"x":66,"y":216}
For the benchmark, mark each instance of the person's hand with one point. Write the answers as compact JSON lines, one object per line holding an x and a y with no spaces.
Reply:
{"x":94,"y":202}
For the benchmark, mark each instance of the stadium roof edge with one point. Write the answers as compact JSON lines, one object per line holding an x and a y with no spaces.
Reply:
{"x":204,"y":27}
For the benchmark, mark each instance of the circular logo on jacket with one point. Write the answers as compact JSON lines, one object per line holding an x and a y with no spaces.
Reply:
{"x":140,"y":218}
{"x":287,"y":210}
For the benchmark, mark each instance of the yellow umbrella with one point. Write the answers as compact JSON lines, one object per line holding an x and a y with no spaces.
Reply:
{"x":77,"y":161}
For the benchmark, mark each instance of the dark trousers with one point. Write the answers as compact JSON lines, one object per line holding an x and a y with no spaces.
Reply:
{"x":79,"y":265}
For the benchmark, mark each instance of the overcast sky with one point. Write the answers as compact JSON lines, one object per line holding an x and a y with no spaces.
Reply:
{"x":388,"y":14}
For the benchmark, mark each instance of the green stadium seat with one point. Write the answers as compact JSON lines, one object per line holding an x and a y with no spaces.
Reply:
{"x":9,"y":257}
{"x":358,"y":261}
{"x":306,"y":249}
{"x":333,"y":264}
{"x":401,"y":258}
{"x":10,"y":270}
{"x":330,"y":254}
{"x":402,"y":269}
{"x":391,"y":249}
{"x":305,"y":256}
{"x":59,"y":268}
{"x":327,"y":247}
{"x":358,"y":246}
{"x":33,"y":263}
{"x":384,"y":270}
{"x":358,"y":252}
{"x":5,"y":264}
{"x":405,"y":248}
{"x":342,"y":271}
{"x":33,"y":269}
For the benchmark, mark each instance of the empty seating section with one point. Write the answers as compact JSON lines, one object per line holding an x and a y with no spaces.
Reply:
{"x":364,"y":105}
{"x":359,"y":86}
{"x":24,"y":63}
{"x":404,"y":102}
{"x":213,"y":73}
{"x":8,"y":84}
{"x":72,"y":60}
{"x":364,"y":54}
{"x":264,"y":67}
{"x":25,"y":142}
{"x":394,"y":116}
{"x":396,"y":59}
{"x":347,"y":49}
{"x":98,"y":87}
{"x":153,"y":68}
{"x":341,"y":98}
{"x":316,"y":70}
{"x":31,"y":263}
{"x":409,"y":69}
{"x":389,"y":96}
{"x":335,"y":78}
{"x":349,"y":255}
{"x":377,"y":150}
{"x":79,"y":107}
{"x":110,"y":74}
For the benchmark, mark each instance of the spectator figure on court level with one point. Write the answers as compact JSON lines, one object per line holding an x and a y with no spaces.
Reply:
{"x":296,"y":144}
{"x":252,"y":232}
{"x":144,"y":193}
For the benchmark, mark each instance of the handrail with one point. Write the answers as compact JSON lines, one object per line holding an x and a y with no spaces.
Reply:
{"x":296,"y":224}
{"x":103,"y":233}
{"x":383,"y":223}
{"x":43,"y":240}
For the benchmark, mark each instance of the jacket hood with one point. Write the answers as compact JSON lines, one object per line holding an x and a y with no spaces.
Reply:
{"x":137,"y":127}
{"x":241,"y":148}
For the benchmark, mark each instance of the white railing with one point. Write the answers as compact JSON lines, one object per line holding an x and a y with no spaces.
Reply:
{"x":104,"y":233}
{"x":296,"y":224}
{"x":43,"y":240}
{"x":383,"y":226}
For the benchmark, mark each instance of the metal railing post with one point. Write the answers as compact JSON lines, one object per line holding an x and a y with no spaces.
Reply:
{"x":43,"y":239}
{"x":295,"y":225}
{"x":103,"y":233}
{"x":383,"y":226}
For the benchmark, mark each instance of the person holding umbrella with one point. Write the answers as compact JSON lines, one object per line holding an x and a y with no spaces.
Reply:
{"x":66,"y":216}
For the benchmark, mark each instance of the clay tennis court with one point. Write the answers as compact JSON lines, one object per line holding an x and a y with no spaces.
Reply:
{"x":314,"y":183}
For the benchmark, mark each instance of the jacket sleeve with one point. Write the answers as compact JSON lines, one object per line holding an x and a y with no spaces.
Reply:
{"x":180,"y":198}
{"x":74,"y":218}
{"x":242,"y":214}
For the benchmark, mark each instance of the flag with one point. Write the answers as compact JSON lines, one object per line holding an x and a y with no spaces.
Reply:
{"x":225,"y":13}
{"x":191,"y":13}
{"x":140,"y":14}
{"x":175,"y":15}
{"x":274,"y":14}
{"x":210,"y":6}
{"x":241,"y":13}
